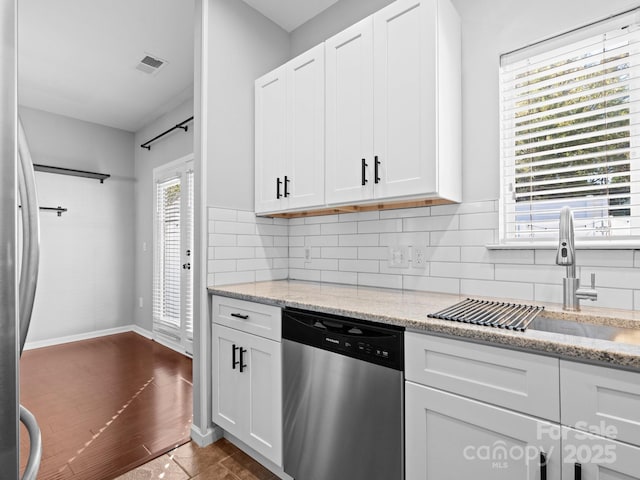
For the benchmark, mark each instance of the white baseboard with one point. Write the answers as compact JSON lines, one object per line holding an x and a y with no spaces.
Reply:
{"x":206,"y":438}
{"x":87,"y":336}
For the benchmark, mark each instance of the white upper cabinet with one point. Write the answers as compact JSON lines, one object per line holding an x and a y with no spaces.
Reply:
{"x":270,"y":140}
{"x":290,"y":135}
{"x":305,"y":128}
{"x":393,"y":105}
{"x":350,"y":114}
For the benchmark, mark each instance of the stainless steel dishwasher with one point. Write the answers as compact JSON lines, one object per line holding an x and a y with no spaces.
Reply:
{"x":343,"y":385}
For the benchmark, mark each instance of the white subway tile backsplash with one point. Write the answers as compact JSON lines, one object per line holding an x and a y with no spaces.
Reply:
{"x":353,"y":248}
{"x":373,"y":253}
{"x":233,"y":252}
{"x":483,"y":255}
{"x":479,"y":221}
{"x":380,"y":280}
{"x":300,"y":230}
{"x":371,"y":266}
{"x":339,"y":252}
{"x":431,"y":284}
{"x":530,"y":273}
{"x":463,"y":238}
{"x":480,"y":271}
{"x":380,"y":226}
{"x":339,"y":228}
{"x":321,"y":240}
{"x":429,"y":224}
{"x":359,"y":240}
{"x":339,"y":277}
{"x":489,"y":288}
{"x":229,"y":278}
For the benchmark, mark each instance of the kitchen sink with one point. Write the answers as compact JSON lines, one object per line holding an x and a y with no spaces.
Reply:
{"x":587,"y":330}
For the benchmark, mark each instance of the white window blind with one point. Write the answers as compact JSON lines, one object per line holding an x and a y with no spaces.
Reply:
{"x":570,"y":136}
{"x":188,"y":230}
{"x":166,"y":291}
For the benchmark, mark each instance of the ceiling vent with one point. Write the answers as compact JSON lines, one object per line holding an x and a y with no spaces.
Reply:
{"x":150,"y":64}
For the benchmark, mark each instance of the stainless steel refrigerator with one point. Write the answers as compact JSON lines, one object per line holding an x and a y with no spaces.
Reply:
{"x":18,"y":276}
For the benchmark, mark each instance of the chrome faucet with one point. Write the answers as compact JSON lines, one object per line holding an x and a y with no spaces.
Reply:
{"x":571,"y":291}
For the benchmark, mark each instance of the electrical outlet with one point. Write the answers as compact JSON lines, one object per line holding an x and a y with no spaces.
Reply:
{"x":140,"y":302}
{"x":399,"y":256}
{"x":419,"y":257}
{"x":307,"y":254}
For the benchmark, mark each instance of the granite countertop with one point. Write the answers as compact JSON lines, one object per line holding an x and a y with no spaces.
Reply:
{"x":409,"y":309}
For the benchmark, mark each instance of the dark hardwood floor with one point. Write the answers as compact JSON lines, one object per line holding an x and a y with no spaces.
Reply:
{"x":105,"y":405}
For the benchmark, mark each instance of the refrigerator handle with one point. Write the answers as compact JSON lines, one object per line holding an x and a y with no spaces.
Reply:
{"x":30,"y":237}
{"x":35,"y":439}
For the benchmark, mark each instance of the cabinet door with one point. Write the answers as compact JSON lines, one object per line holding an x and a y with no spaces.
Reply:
{"x":263,"y":374}
{"x":229,"y":386}
{"x":305,"y":127}
{"x":588,"y":457}
{"x":349,"y":109}
{"x":451,"y":438}
{"x":270,"y":138}
{"x":405,"y":86}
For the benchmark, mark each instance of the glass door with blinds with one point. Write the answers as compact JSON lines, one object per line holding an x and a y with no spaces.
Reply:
{"x":173,"y":254}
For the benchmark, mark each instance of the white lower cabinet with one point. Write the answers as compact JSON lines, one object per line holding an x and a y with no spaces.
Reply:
{"x":247,"y":389}
{"x":449,"y":437}
{"x":590,"y":457}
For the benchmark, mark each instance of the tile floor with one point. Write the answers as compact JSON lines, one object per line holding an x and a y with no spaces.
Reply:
{"x":219,"y":461}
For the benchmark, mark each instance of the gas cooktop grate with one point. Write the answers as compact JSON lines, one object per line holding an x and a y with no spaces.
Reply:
{"x":492,"y":314}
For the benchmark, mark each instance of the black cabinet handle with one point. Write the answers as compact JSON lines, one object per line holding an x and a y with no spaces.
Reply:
{"x":234,"y":362}
{"x":242,"y":364}
{"x":364,"y":172}
{"x":240,"y":315}
{"x":376,"y":164}
{"x":577,"y":471}
{"x":543,"y":466}
{"x":286,"y":184}
{"x":278,"y":183}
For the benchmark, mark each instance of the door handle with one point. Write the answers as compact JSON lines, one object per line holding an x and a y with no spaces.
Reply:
{"x":543,"y":466}
{"x":577,"y":471}
{"x":286,"y":185}
{"x":376,"y":164}
{"x":242,"y":364}
{"x":186,"y":266}
{"x":278,"y":183}
{"x":234,"y":362}
{"x":364,"y":171}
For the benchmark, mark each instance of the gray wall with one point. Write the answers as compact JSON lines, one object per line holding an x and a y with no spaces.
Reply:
{"x":86,"y":268}
{"x":242,"y":45}
{"x":333,"y":20}
{"x":489,"y":28}
{"x":171,"y":147}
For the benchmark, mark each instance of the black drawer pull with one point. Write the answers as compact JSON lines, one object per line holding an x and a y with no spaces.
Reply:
{"x":543,"y":466}
{"x":577,"y":471}
{"x":234,"y":362}
{"x":364,"y":172}
{"x":242,"y":364}
{"x":376,"y":178}
{"x":240,"y":315}
{"x":278,"y":183}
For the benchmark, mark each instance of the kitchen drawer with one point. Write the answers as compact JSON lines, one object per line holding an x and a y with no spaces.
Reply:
{"x":602,"y":400}
{"x":250,"y":317}
{"x":519,"y":381}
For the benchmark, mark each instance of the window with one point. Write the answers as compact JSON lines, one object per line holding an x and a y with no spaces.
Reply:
{"x":570,"y":111}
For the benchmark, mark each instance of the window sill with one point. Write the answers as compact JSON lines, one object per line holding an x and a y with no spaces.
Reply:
{"x":580,"y":245}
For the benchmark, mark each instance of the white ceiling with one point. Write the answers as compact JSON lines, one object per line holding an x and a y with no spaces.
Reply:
{"x":77,"y":58}
{"x":290,"y":14}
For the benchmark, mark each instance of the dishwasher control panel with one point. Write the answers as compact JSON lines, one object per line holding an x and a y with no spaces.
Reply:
{"x":375,"y":343}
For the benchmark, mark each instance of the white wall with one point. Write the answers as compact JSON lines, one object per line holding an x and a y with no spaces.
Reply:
{"x":175,"y":145}
{"x":242,"y":45}
{"x":86,"y":268}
